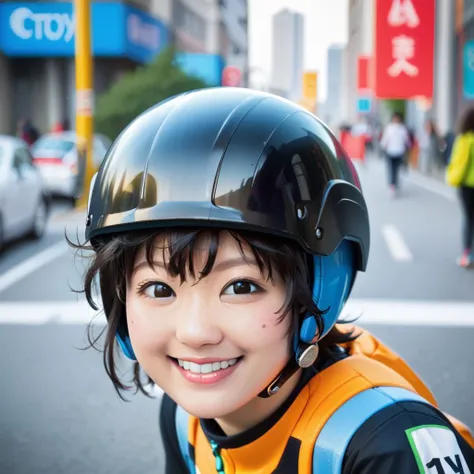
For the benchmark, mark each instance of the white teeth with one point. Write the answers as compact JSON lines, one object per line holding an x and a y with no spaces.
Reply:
{"x":206,"y":368}
{"x":193,"y":367}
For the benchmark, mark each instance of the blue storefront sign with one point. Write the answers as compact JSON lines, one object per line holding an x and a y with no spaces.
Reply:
{"x":364,"y":104}
{"x":48,"y":30}
{"x":468,"y":70}
{"x":207,"y":67}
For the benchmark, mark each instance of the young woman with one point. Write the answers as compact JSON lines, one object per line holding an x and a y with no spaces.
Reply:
{"x":228,"y":227}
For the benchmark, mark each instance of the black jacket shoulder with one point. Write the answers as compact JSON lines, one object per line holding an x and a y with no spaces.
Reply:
{"x":408,"y":438}
{"x":174,"y":463}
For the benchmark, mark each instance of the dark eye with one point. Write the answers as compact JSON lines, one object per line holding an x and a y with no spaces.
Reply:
{"x":241,"y":287}
{"x":158,"y":290}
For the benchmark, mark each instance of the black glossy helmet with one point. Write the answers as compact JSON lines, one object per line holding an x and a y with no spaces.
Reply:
{"x":241,"y":159}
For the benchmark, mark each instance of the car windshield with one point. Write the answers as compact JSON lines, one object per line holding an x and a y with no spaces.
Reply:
{"x":53,"y":143}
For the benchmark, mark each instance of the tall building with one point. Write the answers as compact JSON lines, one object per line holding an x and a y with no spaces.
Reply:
{"x":195,"y":24}
{"x":226,"y":38}
{"x":333,"y":108}
{"x":196,"y":27}
{"x":287,"y":54}
{"x":360,"y":42}
{"x":234,"y":35}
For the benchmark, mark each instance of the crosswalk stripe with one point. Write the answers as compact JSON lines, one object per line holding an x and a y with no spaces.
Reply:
{"x":396,"y":244}
{"x":32,"y":264}
{"x":369,"y":311}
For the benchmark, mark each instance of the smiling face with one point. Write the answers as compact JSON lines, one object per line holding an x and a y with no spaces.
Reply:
{"x":212,"y":344}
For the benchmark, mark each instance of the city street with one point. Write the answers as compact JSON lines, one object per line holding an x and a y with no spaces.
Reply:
{"x":59,"y":412}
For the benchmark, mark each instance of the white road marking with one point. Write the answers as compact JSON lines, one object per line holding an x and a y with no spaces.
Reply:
{"x":396,"y":244}
{"x":370,"y":311}
{"x":23,"y":269}
{"x":410,"y":312}
{"x":54,"y":312}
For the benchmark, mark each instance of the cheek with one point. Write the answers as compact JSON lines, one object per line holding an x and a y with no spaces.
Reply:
{"x":260,"y":329}
{"x":146,"y":328}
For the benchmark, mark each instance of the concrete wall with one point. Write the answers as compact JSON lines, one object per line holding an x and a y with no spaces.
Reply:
{"x":360,"y":42}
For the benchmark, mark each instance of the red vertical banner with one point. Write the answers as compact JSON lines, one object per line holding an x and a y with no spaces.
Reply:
{"x":404,"y":48}
{"x":364,"y":82}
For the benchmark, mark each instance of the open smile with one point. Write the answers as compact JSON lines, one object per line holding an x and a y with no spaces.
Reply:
{"x":206,"y":371}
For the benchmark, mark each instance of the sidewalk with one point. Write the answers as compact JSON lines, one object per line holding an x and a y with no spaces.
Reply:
{"x":436,"y":174}
{"x":433,"y":182}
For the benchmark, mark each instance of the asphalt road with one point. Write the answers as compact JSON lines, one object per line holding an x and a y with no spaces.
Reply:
{"x":60,"y":414}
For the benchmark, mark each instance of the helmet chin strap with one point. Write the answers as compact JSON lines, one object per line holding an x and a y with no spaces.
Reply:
{"x":304,"y":357}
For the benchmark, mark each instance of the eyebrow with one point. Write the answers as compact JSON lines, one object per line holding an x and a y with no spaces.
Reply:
{"x":218,"y":267}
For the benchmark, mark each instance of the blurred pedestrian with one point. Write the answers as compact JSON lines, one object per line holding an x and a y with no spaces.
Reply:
{"x":395,"y":143}
{"x":447,"y":148}
{"x":410,"y":146}
{"x":57,"y":127}
{"x":66,"y":124}
{"x":430,"y":153}
{"x":460,"y":173}
{"x":61,"y":126}
{"x":27,"y":132}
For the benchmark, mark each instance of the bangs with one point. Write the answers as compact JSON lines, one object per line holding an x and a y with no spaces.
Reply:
{"x":182,"y":249}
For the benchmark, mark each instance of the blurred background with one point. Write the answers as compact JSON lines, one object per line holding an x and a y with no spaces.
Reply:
{"x":354,"y":63}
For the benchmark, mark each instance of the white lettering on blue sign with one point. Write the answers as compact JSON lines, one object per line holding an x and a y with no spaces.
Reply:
{"x":143,"y":34}
{"x":51,"y":26}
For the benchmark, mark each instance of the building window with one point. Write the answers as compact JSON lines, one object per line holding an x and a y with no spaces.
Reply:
{"x":188,"y":21}
{"x":224,"y":42}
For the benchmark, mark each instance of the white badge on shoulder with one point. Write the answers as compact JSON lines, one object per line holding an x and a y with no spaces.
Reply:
{"x":436,"y":450}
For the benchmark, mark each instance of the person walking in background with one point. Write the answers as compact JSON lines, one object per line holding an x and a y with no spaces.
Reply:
{"x":66,"y":124}
{"x":411,"y":144}
{"x":430,"y":154}
{"x":460,"y":173}
{"x":57,"y":127}
{"x":395,"y":144}
{"x":27,"y":132}
{"x":61,"y":126}
{"x":447,"y":148}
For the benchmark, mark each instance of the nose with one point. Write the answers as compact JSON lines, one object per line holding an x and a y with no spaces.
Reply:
{"x":196,"y":326}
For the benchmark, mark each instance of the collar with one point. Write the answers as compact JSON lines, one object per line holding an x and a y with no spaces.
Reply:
{"x":289,"y":409}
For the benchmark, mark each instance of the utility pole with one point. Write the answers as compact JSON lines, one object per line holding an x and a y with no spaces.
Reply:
{"x":84,"y":98}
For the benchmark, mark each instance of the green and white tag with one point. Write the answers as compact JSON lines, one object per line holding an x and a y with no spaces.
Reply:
{"x":436,"y":450}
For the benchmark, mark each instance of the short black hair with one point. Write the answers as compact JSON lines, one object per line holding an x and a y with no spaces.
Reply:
{"x":466,"y":124}
{"x":113,"y":259}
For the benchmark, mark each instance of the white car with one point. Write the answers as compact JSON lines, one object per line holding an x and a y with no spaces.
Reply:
{"x":24,"y":203}
{"x":55,"y":155}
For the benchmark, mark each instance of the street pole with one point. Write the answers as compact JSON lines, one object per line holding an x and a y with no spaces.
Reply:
{"x":84,"y":99}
